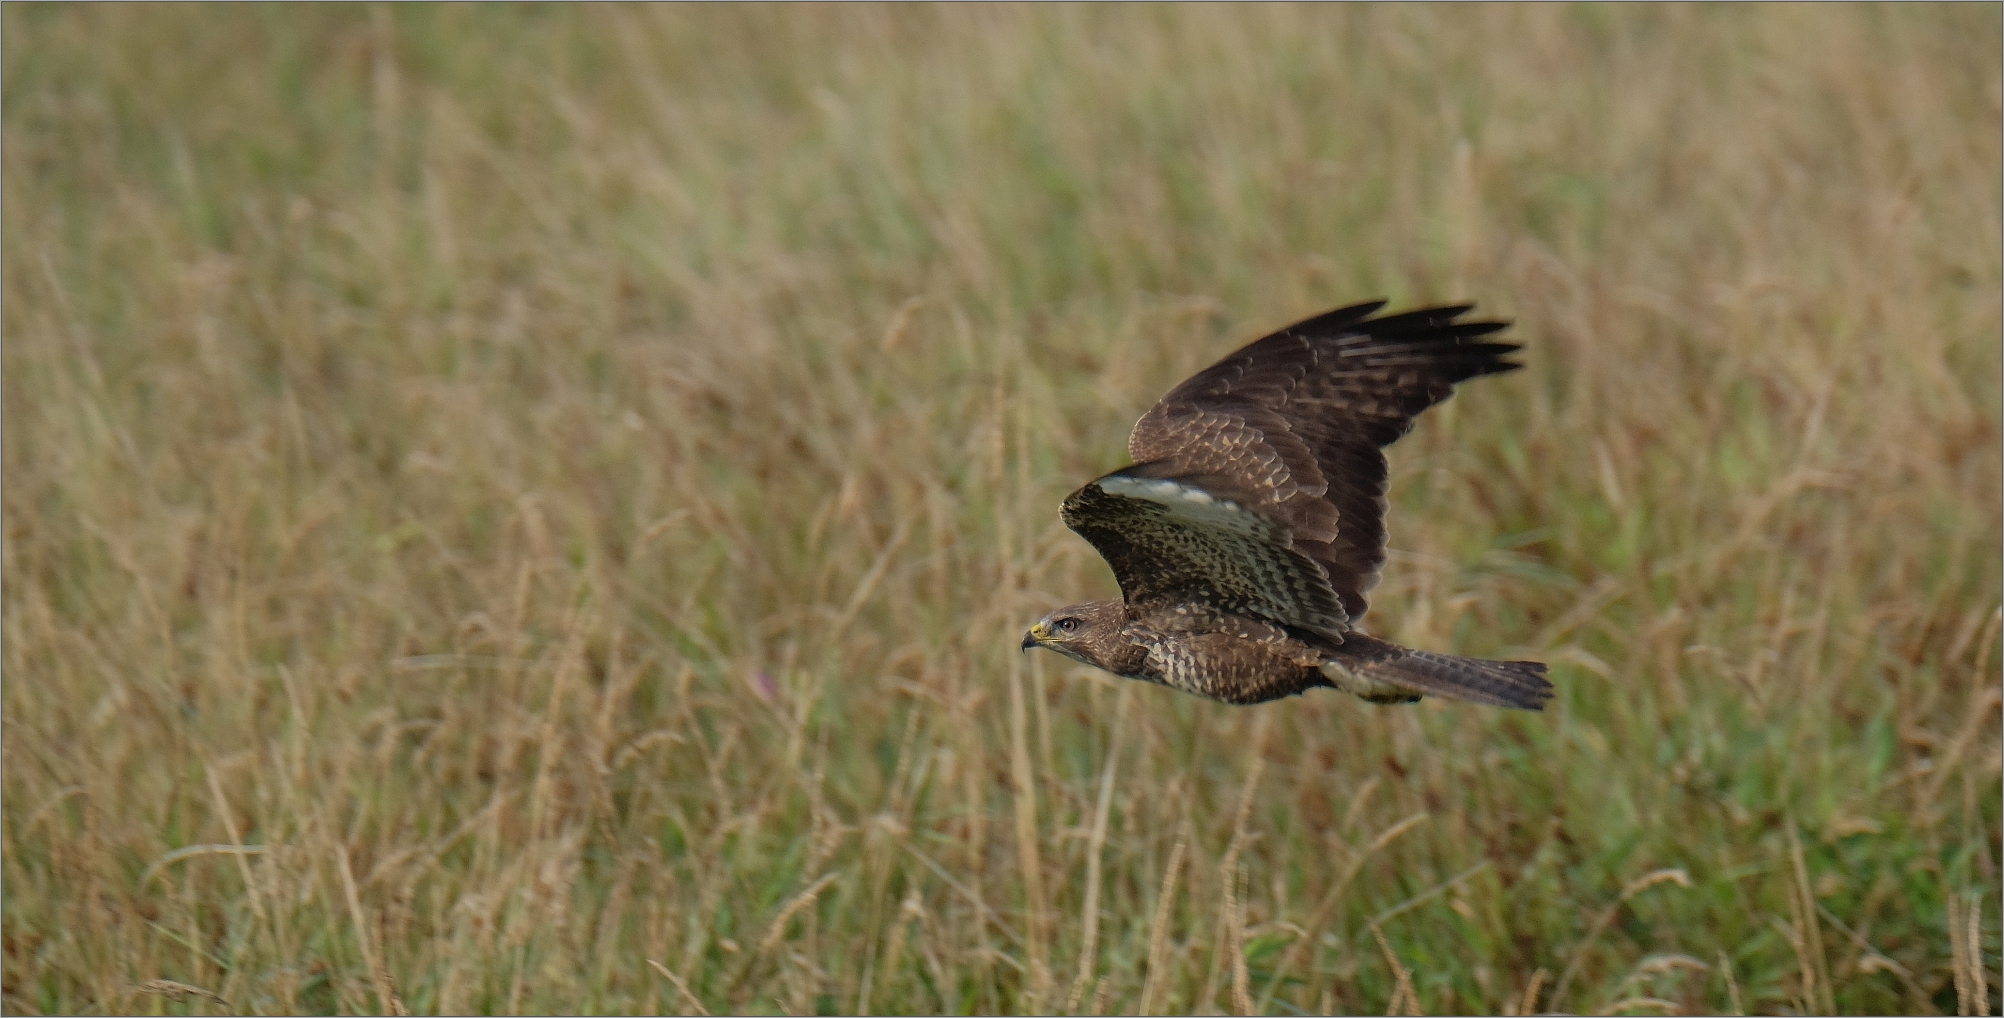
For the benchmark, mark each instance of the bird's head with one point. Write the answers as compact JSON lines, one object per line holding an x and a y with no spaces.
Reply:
{"x":1082,"y":632}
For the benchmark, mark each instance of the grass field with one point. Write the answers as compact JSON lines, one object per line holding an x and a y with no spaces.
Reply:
{"x":532,"y":509}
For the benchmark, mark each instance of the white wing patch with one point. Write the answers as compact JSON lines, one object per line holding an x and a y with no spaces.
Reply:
{"x":1195,"y":505}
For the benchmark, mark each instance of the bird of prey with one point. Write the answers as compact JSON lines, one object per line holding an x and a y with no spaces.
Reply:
{"x":1253,"y":523}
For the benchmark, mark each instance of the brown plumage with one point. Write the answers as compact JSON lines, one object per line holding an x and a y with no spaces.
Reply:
{"x":1252,"y":526}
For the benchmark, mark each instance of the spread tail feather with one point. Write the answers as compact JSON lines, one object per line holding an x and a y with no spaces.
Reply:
{"x":1386,"y":672}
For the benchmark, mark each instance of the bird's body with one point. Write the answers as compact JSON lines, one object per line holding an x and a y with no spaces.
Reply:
{"x":1252,"y":527}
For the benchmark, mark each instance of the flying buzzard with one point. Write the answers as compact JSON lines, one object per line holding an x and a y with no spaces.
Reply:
{"x":1254,"y":523}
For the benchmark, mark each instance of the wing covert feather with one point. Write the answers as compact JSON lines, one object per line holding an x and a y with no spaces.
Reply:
{"x":1173,"y":541}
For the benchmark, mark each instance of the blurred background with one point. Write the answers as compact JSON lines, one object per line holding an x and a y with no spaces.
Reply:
{"x":532,"y":508}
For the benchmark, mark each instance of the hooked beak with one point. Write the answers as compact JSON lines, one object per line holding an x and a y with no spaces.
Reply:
{"x":1030,"y":639}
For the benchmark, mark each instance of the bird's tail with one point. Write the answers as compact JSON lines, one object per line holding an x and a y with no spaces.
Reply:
{"x":1386,"y":672}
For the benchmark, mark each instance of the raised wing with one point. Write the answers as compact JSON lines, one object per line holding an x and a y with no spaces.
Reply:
{"x":1171,"y":541}
{"x":1290,"y":426}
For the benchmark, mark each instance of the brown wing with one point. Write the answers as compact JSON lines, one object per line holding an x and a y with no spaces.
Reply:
{"x":1290,"y":427}
{"x":1174,"y":546}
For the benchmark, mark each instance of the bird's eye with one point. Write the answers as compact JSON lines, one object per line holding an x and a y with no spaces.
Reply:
{"x":1068,"y":625}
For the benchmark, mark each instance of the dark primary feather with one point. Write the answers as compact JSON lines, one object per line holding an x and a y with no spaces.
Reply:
{"x":1290,"y":426}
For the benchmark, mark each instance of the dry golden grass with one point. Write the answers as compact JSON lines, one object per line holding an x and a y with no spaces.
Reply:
{"x":532,"y":508}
